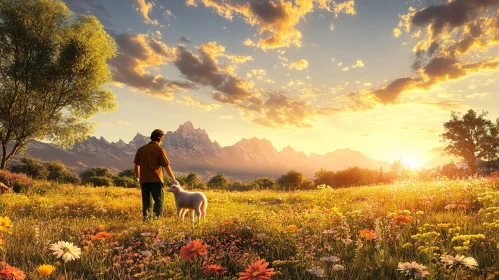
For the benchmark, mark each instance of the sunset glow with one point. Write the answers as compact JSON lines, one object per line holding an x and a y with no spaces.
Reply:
{"x":378,"y":77}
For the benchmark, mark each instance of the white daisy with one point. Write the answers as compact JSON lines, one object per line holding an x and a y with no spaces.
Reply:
{"x":459,"y":260}
{"x":413,"y":269}
{"x":316,"y":271}
{"x":65,"y":250}
{"x":338,"y":267}
{"x":331,"y":259}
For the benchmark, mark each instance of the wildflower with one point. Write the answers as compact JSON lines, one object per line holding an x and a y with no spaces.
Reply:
{"x":146,"y":234}
{"x":450,"y":206}
{"x":316,"y":271}
{"x":12,"y":273}
{"x":413,"y":269}
{"x":101,"y":236}
{"x":213,"y":268}
{"x":338,"y":267}
{"x":402,"y":220}
{"x":193,"y":249}
{"x":45,"y":270}
{"x":261,"y":235}
{"x":331,"y":259}
{"x":257,"y":271}
{"x":367,"y":234}
{"x":290,"y":228}
{"x":246,"y":228}
{"x":459,"y":260}
{"x":420,"y":213}
{"x":65,"y":250}
{"x":347,"y":241}
{"x":329,"y":231}
{"x":5,"y":224}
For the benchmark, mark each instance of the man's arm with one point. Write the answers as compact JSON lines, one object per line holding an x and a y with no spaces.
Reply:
{"x":137,"y":173}
{"x":170,"y":172}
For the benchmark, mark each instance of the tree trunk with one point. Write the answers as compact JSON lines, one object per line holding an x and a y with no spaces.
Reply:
{"x":3,"y":165}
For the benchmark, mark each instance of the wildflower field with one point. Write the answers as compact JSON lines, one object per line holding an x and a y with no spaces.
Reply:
{"x":436,"y":230}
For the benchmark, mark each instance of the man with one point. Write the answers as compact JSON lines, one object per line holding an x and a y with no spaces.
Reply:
{"x":149,"y":162}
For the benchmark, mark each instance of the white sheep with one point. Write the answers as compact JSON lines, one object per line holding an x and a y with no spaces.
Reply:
{"x":192,"y":201}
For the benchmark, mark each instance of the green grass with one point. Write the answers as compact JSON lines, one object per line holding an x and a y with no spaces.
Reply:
{"x":244,"y":227}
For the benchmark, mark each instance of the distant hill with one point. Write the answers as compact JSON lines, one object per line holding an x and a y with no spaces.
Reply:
{"x":191,"y":150}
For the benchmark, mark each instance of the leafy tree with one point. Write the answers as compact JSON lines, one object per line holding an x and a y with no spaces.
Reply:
{"x":219,"y":181}
{"x":34,"y":168}
{"x":100,"y":181}
{"x":265,"y":183}
{"x":471,"y":137}
{"x":325,"y":177}
{"x":96,"y":172}
{"x":52,"y":68}
{"x":192,"y":180}
{"x":291,"y":181}
{"x":125,"y":181}
{"x":129,"y":172}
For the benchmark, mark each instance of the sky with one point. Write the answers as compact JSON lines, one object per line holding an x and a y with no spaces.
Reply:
{"x":379,"y":77}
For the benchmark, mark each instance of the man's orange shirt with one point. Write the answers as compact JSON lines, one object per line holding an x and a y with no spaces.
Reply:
{"x":151,"y":158}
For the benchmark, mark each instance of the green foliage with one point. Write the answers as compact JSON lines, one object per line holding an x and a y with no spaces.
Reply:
{"x":95,"y":172}
{"x":192,"y":179}
{"x":292,"y":181}
{"x":265,"y":183}
{"x":52,"y":68}
{"x":129,"y":172}
{"x":32,"y":167}
{"x":219,"y":182}
{"x":100,"y":181}
{"x":59,"y":173}
{"x":127,"y":182}
{"x":472,"y":138}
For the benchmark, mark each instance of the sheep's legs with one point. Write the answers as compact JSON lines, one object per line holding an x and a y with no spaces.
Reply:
{"x":181,"y":213}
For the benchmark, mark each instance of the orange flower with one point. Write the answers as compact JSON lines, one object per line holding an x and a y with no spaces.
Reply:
{"x":367,"y":234}
{"x":257,"y":271}
{"x":213,"y":268}
{"x":402,"y":220}
{"x":10,"y":272}
{"x":101,"y":235}
{"x":193,"y":249}
{"x":290,"y":228}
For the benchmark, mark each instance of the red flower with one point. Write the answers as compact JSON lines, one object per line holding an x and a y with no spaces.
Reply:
{"x":193,"y":249}
{"x":257,"y":271}
{"x":213,"y":268}
{"x":367,"y":234}
{"x":10,"y":272}
{"x":402,"y":220}
{"x":101,"y":236}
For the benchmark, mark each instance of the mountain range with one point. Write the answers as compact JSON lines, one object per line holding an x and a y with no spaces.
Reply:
{"x":191,"y":150}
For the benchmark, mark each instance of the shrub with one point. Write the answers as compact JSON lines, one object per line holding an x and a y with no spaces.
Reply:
{"x":219,"y":182}
{"x":58,"y":172}
{"x":95,"y":172}
{"x":31,"y":167}
{"x":14,"y":181}
{"x":129,"y":172}
{"x":265,"y":183}
{"x":100,"y":181}
{"x":126,"y":182}
{"x":71,"y":178}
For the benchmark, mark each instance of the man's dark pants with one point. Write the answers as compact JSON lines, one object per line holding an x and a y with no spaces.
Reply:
{"x":156,"y":191}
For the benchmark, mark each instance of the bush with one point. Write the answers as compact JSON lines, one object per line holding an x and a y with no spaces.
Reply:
{"x":71,"y":178}
{"x":242,"y":187}
{"x":126,"y":182}
{"x":219,"y":182}
{"x":100,"y":181}
{"x":34,"y":168}
{"x":16,"y":182}
{"x":265,"y":183}
{"x":58,"y":172}
{"x":129,"y":172}
{"x":96,"y":172}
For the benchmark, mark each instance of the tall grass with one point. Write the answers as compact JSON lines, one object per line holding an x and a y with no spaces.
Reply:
{"x":370,"y":229}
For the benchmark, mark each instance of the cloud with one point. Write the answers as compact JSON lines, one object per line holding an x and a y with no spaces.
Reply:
{"x":396,"y":32}
{"x":276,"y":21}
{"x":358,"y":64}
{"x":203,"y":105}
{"x":227,"y":117}
{"x":299,"y":65}
{"x":184,"y":39}
{"x":138,"y":53}
{"x":144,"y":9}
{"x":91,"y":7}
{"x":260,"y":75}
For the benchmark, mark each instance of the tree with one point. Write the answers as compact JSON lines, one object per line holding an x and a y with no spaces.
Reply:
{"x":32,"y":167}
{"x":52,"y":69}
{"x":129,"y":172}
{"x":265,"y":183}
{"x":219,"y":181}
{"x":87,"y":175}
{"x":192,"y":180}
{"x":291,"y":181}
{"x":471,"y":137}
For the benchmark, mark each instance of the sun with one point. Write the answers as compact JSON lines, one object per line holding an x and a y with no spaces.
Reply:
{"x":412,"y":163}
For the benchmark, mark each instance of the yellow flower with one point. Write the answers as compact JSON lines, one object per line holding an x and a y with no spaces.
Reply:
{"x":5,"y":224}
{"x":45,"y":270}
{"x":290,"y":228}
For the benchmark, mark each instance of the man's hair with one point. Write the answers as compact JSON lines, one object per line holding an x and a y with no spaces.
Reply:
{"x":157,"y":134}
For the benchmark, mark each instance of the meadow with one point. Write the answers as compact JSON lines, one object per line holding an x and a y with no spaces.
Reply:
{"x":374,"y":232}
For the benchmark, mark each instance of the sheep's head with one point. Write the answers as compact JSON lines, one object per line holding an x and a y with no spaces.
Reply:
{"x":174,"y":188}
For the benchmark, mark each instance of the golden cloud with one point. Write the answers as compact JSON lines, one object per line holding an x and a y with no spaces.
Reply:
{"x":276,"y":20}
{"x":299,"y":65}
{"x":144,"y":8}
